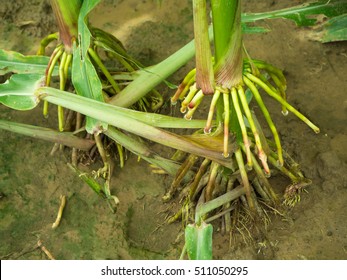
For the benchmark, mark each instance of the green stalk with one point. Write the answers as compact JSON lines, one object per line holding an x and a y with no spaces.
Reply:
{"x":153,"y":76}
{"x":227,"y":41}
{"x":66,"y":14}
{"x":204,"y":67}
{"x":223,"y":12}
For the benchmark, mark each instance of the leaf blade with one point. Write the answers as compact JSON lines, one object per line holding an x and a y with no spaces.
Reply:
{"x":335,"y":29}
{"x":84,"y":76}
{"x":199,"y":241}
{"x":300,"y":13}
{"x":18,"y":92}
{"x":11,"y":61}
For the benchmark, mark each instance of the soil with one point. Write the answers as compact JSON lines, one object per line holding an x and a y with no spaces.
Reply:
{"x":31,"y":181}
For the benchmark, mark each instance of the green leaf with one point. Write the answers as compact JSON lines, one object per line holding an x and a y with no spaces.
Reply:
{"x":87,"y":83}
{"x":83,"y":30}
{"x":247,"y":29}
{"x":18,"y":92}
{"x":84,"y":76}
{"x":334,"y":29}
{"x":302,"y":15}
{"x":199,"y":241}
{"x":119,"y":118}
{"x":15,"y":62}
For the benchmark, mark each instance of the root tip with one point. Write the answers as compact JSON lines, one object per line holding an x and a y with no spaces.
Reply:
{"x":226,"y":154}
{"x":249,"y":166}
{"x":285,"y":113}
{"x":188,"y":117}
{"x":207,"y":130}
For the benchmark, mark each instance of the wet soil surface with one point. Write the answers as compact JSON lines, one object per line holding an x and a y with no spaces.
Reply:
{"x":31,"y":181}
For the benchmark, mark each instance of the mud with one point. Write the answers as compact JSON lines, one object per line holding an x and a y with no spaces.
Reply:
{"x":31,"y":181}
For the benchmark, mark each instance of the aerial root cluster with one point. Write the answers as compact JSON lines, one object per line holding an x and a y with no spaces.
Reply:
{"x":254,"y":153}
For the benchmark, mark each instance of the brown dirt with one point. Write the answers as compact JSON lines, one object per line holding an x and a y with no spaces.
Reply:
{"x":32,"y":181}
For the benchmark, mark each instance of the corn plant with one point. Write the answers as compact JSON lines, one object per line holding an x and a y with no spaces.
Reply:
{"x":229,"y":149}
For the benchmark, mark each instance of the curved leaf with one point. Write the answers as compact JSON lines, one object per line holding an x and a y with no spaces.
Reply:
{"x":18,"y":92}
{"x":15,"y":62}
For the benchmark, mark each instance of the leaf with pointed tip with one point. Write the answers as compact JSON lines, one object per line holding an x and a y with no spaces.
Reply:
{"x":15,"y":62}
{"x":18,"y":92}
{"x":83,"y":30}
